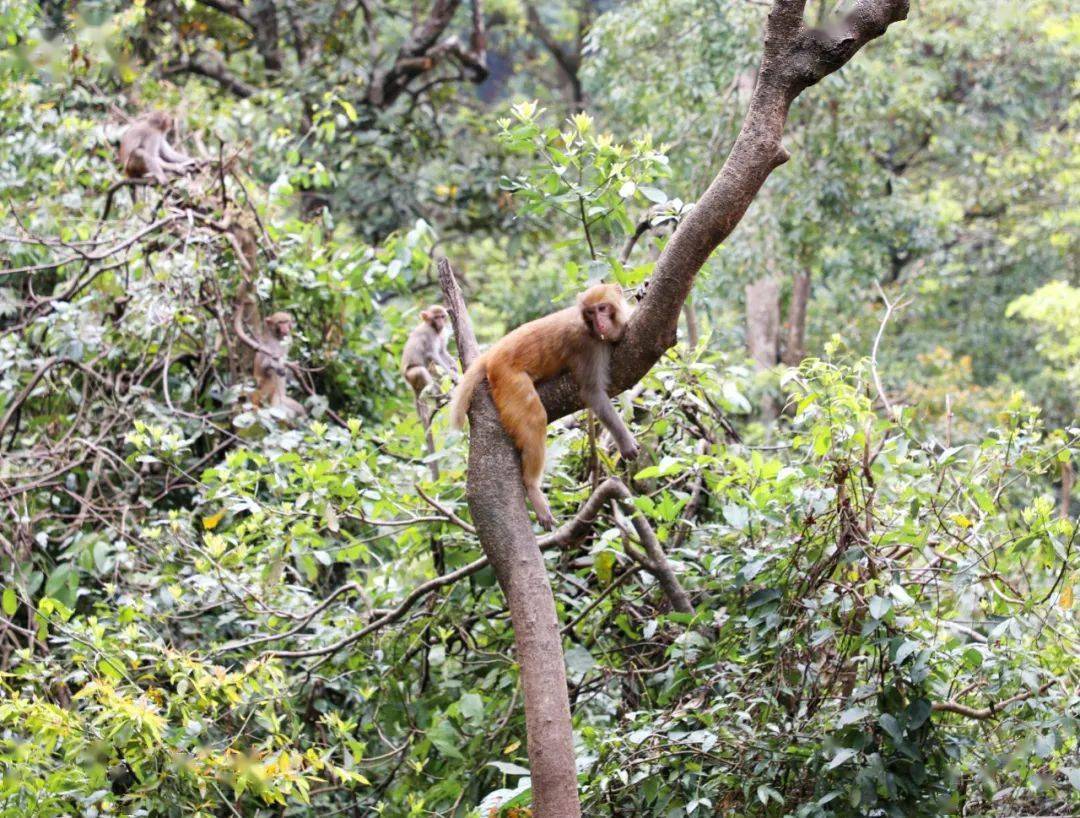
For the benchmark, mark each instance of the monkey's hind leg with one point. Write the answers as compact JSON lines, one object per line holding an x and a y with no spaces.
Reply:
{"x":524,"y":417}
{"x":420,"y":379}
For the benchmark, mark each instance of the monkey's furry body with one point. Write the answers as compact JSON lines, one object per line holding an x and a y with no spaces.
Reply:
{"x":578,"y":339}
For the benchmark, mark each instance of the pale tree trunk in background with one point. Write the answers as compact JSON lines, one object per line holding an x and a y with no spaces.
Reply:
{"x":1068,"y":480}
{"x":795,"y":348}
{"x":795,"y":56}
{"x":763,"y":331}
{"x":692,"y":334}
{"x":763,"y":321}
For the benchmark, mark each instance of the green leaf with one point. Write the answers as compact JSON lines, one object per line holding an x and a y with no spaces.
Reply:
{"x":604,"y":565}
{"x":737,"y":516}
{"x":653,"y":194}
{"x":891,"y":726}
{"x":446,"y":739}
{"x":842,"y":755}
{"x":917,"y":713}
{"x":506,"y":768}
{"x":10,"y":601}
{"x":762,"y":597}
{"x":852,"y":715}
{"x":904,"y":651}
{"x":471,"y":707}
{"x":879,"y":607}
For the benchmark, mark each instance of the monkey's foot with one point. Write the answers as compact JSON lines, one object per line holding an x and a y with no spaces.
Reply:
{"x":547,"y":522}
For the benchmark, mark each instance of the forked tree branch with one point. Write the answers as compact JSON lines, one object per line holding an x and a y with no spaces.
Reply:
{"x":795,"y":56}
{"x":422,"y":51}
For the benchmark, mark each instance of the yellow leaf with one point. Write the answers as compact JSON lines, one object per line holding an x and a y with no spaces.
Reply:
{"x":210,"y":523}
{"x":961,"y":520}
{"x":1065,"y":601}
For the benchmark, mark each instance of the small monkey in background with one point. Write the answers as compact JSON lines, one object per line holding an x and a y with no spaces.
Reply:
{"x":424,"y":350}
{"x":578,"y":338}
{"x":271,"y":367}
{"x":145,"y":149}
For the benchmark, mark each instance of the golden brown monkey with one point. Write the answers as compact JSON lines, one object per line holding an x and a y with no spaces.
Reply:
{"x":271,"y":367}
{"x":145,"y":149}
{"x":424,"y":350}
{"x":578,"y":338}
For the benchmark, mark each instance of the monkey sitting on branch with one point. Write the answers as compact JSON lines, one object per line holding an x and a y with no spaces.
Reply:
{"x":145,"y":149}
{"x":579,"y":339}
{"x":271,"y":366}
{"x":425,"y":351}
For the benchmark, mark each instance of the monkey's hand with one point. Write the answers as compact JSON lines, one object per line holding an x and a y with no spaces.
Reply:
{"x":546,"y":520}
{"x":629,"y":449}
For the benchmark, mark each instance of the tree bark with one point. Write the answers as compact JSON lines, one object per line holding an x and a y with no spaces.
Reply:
{"x":497,"y":501}
{"x":795,"y":348}
{"x":795,"y":56}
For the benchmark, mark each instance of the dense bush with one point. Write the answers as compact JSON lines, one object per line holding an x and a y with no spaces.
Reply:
{"x":209,"y":612}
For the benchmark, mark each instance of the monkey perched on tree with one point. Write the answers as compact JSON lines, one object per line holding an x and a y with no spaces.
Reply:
{"x":424,"y":350}
{"x":145,"y":149}
{"x":271,"y":366}
{"x":578,"y":338}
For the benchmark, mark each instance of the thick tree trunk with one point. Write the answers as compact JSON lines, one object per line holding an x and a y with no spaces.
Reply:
{"x":264,"y":23}
{"x":795,"y":57}
{"x":795,"y":348}
{"x":497,"y":502}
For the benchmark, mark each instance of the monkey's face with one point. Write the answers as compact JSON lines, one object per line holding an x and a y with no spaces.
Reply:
{"x":436,"y":317}
{"x":280,"y":325}
{"x":604,"y":312}
{"x":160,"y":120}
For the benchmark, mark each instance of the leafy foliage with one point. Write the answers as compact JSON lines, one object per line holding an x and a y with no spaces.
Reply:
{"x":206,"y":611}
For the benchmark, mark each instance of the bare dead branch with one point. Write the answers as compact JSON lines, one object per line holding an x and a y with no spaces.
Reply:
{"x":992,"y":710}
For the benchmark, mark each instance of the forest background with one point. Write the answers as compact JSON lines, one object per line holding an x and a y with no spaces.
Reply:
{"x":858,"y":459}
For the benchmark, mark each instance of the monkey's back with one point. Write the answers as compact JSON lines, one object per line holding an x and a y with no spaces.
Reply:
{"x":416,"y":352}
{"x":542,"y":348}
{"x":131,"y":160}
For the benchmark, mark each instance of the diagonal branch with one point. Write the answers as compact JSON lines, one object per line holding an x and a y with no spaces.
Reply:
{"x":213,"y":69}
{"x":795,"y":57}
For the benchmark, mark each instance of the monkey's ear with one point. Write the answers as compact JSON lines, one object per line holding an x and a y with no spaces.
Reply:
{"x":425,"y":315}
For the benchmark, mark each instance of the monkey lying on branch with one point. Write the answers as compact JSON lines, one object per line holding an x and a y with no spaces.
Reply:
{"x":578,"y":338}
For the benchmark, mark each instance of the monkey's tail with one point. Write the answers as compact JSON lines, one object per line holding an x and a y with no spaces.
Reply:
{"x":459,"y":403}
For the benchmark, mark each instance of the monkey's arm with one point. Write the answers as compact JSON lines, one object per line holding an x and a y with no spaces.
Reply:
{"x":597,"y":400}
{"x":442,"y":357}
{"x":171,"y":155}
